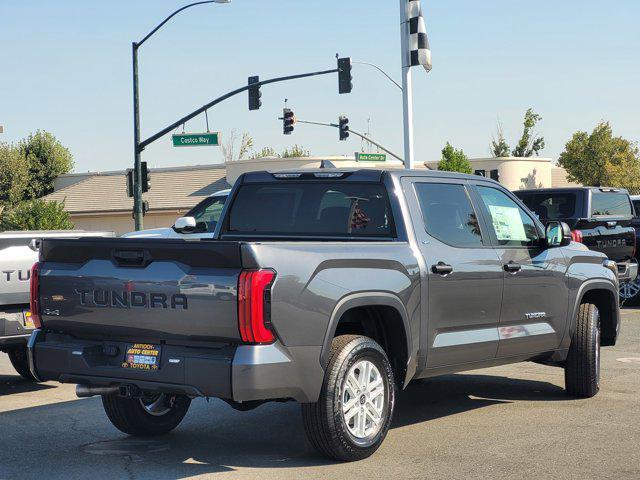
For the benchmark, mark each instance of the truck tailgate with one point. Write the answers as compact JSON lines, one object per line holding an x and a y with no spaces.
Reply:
{"x":616,"y":239}
{"x":145,"y":290}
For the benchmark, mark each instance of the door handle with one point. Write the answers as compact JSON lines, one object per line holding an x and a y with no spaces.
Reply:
{"x":512,"y":267}
{"x":441,"y":268}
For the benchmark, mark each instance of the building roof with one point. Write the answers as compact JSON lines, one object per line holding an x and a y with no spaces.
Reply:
{"x":559,"y":178}
{"x":175,"y":188}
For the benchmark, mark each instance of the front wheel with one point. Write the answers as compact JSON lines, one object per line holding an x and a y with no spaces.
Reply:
{"x":582,"y":368}
{"x":20,"y":362}
{"x":149,"y":415}
{"x":353,"y":413}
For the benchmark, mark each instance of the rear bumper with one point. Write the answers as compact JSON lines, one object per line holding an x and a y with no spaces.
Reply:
{"x":12,"y":330}
{"x":239,"y":373}
{"x":627,"y":271}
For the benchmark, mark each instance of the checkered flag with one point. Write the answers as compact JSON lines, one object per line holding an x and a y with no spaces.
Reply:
{"x":418,"y":41}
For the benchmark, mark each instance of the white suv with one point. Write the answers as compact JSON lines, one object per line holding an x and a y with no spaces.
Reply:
{"x":199,"y":222}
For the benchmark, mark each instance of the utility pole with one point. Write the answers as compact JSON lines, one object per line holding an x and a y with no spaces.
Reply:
{"x":407,"y":91}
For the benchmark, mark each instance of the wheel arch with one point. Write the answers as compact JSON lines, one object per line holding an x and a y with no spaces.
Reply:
{"x":375,"y":303}
{"x":604,"y":296}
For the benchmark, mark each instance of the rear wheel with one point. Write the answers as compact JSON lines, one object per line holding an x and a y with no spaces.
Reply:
{"x":582,"y":369}
{"x":20,"y":362}
{"x":149,"y":415}
{"x":353,"y":413}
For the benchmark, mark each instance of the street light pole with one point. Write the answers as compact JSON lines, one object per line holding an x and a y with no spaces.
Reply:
{"x":407,"y":90}
{"x":137,"y":148}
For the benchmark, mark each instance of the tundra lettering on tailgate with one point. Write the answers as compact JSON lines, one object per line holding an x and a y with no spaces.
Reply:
{"x":620,"y":242}
{"x":124,"y":299}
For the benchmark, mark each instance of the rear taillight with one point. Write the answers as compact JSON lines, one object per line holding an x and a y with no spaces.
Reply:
{"x":34,"y":295}
{"x":254,"y":306}
{"x":576,"y":236}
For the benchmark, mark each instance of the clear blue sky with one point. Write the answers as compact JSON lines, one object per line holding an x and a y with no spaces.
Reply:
{"x":66,"y":68}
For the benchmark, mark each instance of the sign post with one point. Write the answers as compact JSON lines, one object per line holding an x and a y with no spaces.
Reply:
{"x":209,"y":139}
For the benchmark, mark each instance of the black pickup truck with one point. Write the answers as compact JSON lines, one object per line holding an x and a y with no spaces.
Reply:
{"x":599,"y":217}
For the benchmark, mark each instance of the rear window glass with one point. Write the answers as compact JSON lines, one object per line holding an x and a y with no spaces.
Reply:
{"x":610,"y":203}
{"x":551,"y":205}
{"x":311,"y":209}
{"x":636,"y":206}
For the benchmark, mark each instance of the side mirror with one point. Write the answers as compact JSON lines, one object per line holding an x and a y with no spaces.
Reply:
{"x":558,"y":234}
{"x":185,"y":224}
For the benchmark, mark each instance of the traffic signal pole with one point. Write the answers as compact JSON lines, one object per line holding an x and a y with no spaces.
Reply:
{"x":361,"y":135}
{"x":138,"y":213}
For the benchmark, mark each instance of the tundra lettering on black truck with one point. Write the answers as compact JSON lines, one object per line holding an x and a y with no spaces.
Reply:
{"x":333,"y":288}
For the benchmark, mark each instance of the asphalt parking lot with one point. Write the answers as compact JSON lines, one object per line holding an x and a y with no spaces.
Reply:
{"x":505,"y":422}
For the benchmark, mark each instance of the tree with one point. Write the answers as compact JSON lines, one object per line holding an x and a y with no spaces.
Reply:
{"x":600,"y":159}
{"x":46,"y":158}
{"x":265,"y":152}
{"x":296,"y":151}
{"x":14,"y":175}
{"x":454,"y":160}
{"x":529,"y":143}
{"x":36,"y":214}
{"x":499,"y":147}
{"x":229,"y":147}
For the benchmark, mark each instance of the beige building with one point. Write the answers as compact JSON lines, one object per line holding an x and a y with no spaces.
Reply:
{"x":517,"y":173}
{"x":99,"y":201}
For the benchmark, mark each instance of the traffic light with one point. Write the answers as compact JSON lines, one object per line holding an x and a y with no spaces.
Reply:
{"x":130,"y":182}
{"x":146,"y":181}
{"x":345,"y":84}
{"x":254,"y":94}
{"x":288,"y":119}
{"x":343,"y":125}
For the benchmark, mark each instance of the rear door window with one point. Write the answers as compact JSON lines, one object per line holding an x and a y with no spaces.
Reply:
{"x":448,"y":214}
{"x":610,"y":204}
{"x":339,"y":209}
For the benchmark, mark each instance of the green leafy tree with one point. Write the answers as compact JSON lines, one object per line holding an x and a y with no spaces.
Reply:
{"x":499,"y":146}
{"x":295,"y":151}
{"x":46,"y":158}
{"x":529,"y":143}
{"x":454,"y":160}
{"x":265,"y":152}
{"x":36,"y":214}
{"x":600,"y":159}
{"x":14,"y":175}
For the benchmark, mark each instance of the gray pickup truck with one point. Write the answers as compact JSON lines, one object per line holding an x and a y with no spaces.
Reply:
{"x":18,"y":253}
{"x":333,"y":288}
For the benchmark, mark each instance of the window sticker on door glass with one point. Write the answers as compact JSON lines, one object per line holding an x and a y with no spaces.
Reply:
{"x":507,"y":223}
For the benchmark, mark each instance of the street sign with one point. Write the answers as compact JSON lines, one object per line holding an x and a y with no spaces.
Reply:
{"x":371,"y":157}
{"x":209,"y":139}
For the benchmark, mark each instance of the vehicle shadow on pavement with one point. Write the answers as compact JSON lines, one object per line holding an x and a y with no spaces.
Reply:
{"x":76,"y":435}
{"x":437,"y":397}
{"x":10,"y":384}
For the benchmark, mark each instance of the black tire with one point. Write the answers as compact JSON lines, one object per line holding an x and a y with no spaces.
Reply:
{"x":582,"y":369}
{"x":20,"y":362}
{"x":324,"y":422}
{"x":130,"y":416}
